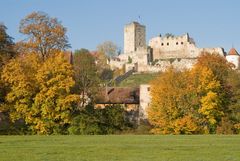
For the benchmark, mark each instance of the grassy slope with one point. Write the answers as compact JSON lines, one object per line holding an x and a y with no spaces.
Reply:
{"x":120,"y":148}
{"x":137,"y":79}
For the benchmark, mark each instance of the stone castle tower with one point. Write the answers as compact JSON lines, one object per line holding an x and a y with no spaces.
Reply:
{"x":134,"y":37}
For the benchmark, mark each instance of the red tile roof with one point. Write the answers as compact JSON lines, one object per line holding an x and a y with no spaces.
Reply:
{"x":233,"y":51}
{"x":118,"y":95}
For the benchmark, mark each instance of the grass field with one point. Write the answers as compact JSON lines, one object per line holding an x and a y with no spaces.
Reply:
{"x":120,"y":148}
{"x":137,"y":79}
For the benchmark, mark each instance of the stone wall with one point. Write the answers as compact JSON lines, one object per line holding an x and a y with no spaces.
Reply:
{"x":169,"y":43}
{"x":234,"y":59}
{"x":116,"y":63}
{"x":163,"y":64}
{"x":145,"y":100}
{"x":178,"y":47}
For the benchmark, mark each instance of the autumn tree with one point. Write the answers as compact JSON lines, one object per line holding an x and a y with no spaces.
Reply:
{"x":171,"y":107}
{"x":19,"y":75}
{"x":208,"y":98}
{"x":102,"y":59}
{"x":194,"y":101}
{"x":54,"y":103}
{"x":108,"y":48}
{"x":86,"y":75}
{"x":222,"y":70}
{"x":40,"y":92}
{"x":217,"y":64}
{"x":45,"y":35}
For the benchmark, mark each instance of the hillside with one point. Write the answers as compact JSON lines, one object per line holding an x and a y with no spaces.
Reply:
{"x":137,"y":79}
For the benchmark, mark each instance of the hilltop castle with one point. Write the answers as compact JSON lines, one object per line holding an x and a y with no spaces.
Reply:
{"x":161,"y":52}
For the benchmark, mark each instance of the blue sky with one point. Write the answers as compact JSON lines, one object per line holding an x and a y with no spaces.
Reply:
{"x":212,"y":23}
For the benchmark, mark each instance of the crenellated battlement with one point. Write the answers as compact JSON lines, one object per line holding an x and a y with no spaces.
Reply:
{"x":169,"y":41}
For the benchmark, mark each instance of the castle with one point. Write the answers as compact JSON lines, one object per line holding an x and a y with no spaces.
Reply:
{"x":161,"y":52}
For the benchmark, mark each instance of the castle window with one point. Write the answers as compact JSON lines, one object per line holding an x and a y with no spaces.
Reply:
{"x":176,"y":43}
{"x":167,"y":43}
{"x":148,"y":88}
{"x":162,"y":44}
{"x":182,"y":43}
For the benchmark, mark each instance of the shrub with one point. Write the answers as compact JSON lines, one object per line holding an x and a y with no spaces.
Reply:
{"x":108,"y":120}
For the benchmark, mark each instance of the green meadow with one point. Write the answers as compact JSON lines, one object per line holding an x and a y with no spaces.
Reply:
{"x":121,"y":148}
{"x":136,"y":79}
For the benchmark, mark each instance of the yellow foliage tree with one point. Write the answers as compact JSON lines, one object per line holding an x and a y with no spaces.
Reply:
{"x":171,"y":101}
{"x":210,"y":107}
{"x":211,"y":94}
{"x":40,"y":92}
{"x":186,"y":102}
{"x":216,"y":63}
{"x":186,"y":125}
{"x":19,"y":75}
{"x":54,"y":102}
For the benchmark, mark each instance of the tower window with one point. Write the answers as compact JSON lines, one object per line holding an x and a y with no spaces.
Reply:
{"x":176,"y":43}
{"x":182,"y":43}
{"x":167,"y":43}
{"x":162,"y":44}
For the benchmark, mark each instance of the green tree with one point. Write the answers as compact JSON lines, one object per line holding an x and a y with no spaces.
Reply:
{"x":86,"y":75}
{"x":6,"y":53}
{"x":106,"y":75}
{"x":234,"y":107}
{"x":46,"y":35}
{"x":6,"y":46}
{"x":108,"y":120}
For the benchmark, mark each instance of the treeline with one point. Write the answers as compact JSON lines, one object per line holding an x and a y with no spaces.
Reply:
{"x":43,"y":90}
{"x":203,"y":100}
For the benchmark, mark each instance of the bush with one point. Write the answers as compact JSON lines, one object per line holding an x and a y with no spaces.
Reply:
{"x":12,"y":128}
{"x":84,"y":124}
{"x":91,"y":121}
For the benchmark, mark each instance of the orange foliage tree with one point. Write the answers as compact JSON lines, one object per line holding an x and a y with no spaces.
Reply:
{"x":191,"y":101}
{"x":171,"y":104}
{"x":46,"y":35}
